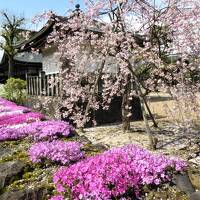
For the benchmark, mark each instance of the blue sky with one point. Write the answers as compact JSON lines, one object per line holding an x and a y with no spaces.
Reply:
{"x":29,"y":8}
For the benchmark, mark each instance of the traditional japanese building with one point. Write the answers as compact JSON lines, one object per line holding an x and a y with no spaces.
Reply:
{"x":24,"y":63}
{"x":50,"y":68}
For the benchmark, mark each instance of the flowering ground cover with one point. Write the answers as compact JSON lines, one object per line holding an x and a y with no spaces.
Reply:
{"x":57,"y":151}
{"x":20,"y":118}
{"x":8,"y":133}
{"x":11,"y":114}
{"x":47,"y":130}
{"x":120,"y":172}
{"x":5,"y":102}
{"x":7,"y":106}
{"x":39,"y":130}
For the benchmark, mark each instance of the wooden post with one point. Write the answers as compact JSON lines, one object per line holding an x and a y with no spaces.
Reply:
{"x":45,"y":85}
{"x":57,"y":85}
{"x":32,"y":85}
{"x":27,"y":84}
{"x":41,"y":83}
{"x":52,"y":86}
{"x":48,"y":91}
{"x":37,"y":85}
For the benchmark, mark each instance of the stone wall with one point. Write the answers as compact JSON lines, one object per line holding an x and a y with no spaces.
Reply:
{"x":101,"y":116}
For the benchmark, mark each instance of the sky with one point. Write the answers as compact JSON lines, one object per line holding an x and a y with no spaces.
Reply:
{"x":30,"y":8}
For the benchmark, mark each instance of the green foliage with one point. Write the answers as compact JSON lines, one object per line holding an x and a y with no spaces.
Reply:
{"x":10,"y":32}
{"x":14,"y":90}
{"x":1,"y":90}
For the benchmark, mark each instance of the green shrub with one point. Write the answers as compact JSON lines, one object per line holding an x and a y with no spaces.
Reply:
{"x":1,"y":90}
{"x":14,"y":90}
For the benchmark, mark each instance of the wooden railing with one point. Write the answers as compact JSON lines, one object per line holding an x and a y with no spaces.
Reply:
{"x":43,"y":85}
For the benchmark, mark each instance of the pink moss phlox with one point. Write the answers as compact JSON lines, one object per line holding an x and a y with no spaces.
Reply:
{"x":57,"y":197}
{"x":47,"y":130}
{"x":115,"y":172}
{"x":5,"y":102}
{"x":20,"y":118}
{"x":8,"y":133}
{"x":56,"y":151}
{"x":8,"y":106}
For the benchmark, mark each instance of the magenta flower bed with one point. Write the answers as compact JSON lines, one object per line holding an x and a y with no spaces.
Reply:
{"x":40,"y":130}
{"x":47,"y":130}
{"x":5,"y":102}
{"x":5,"y":108}
{"x":13,"y":108}
{"x":8,"y":106}
{"x":10,"y":114}
{"x":20,"y":118}
{"x":56,"y":151}
{"x":58,"y":197}
{"x":7,"y":134}
{"x":117,"y":173}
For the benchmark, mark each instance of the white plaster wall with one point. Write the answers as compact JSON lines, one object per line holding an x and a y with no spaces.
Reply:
{"x":93,"y":65}
{"x":50,"y":62}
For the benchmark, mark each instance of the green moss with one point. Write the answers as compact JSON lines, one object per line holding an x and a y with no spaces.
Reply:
{"x":17,"y":155}
{"x":165,"y":192}
{"x":91,"y":150}
{"x":33,"y":177}
{"x":194,"y":174}
{"x":18,"y":150}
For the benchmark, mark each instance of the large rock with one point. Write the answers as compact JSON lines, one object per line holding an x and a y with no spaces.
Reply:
{"x":9,"y":170}
{"x":82,"y":139}
{"x":101,"y":147}
{"x":27,"y":194}
{"x":195,"y":196}
{"x":183,"y":182}
{"x":195,"y":160}
{"x":195,"y":179}
{"x":4,"y":152}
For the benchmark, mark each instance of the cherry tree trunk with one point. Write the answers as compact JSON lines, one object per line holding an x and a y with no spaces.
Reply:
{"x":152,"y":144}
{"x":98,"y":77}
{"x":10,"y":66}
{"x":125,"y":109}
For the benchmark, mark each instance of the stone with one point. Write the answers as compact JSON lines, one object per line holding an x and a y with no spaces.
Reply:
{"x":82,"y":139}
{"x":182,"y":147}
{"x":9,"y":170}
{"x":101,"y":147}
{"x":26,"y":111}
{"x":193,"y":155}
{"x":4,"y":152}
{"x":183,"y":182}
{"x":195,"y":160}
{"x":195,"y":196}
{"x":195,"y":179}
{"x":27,"y":194}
